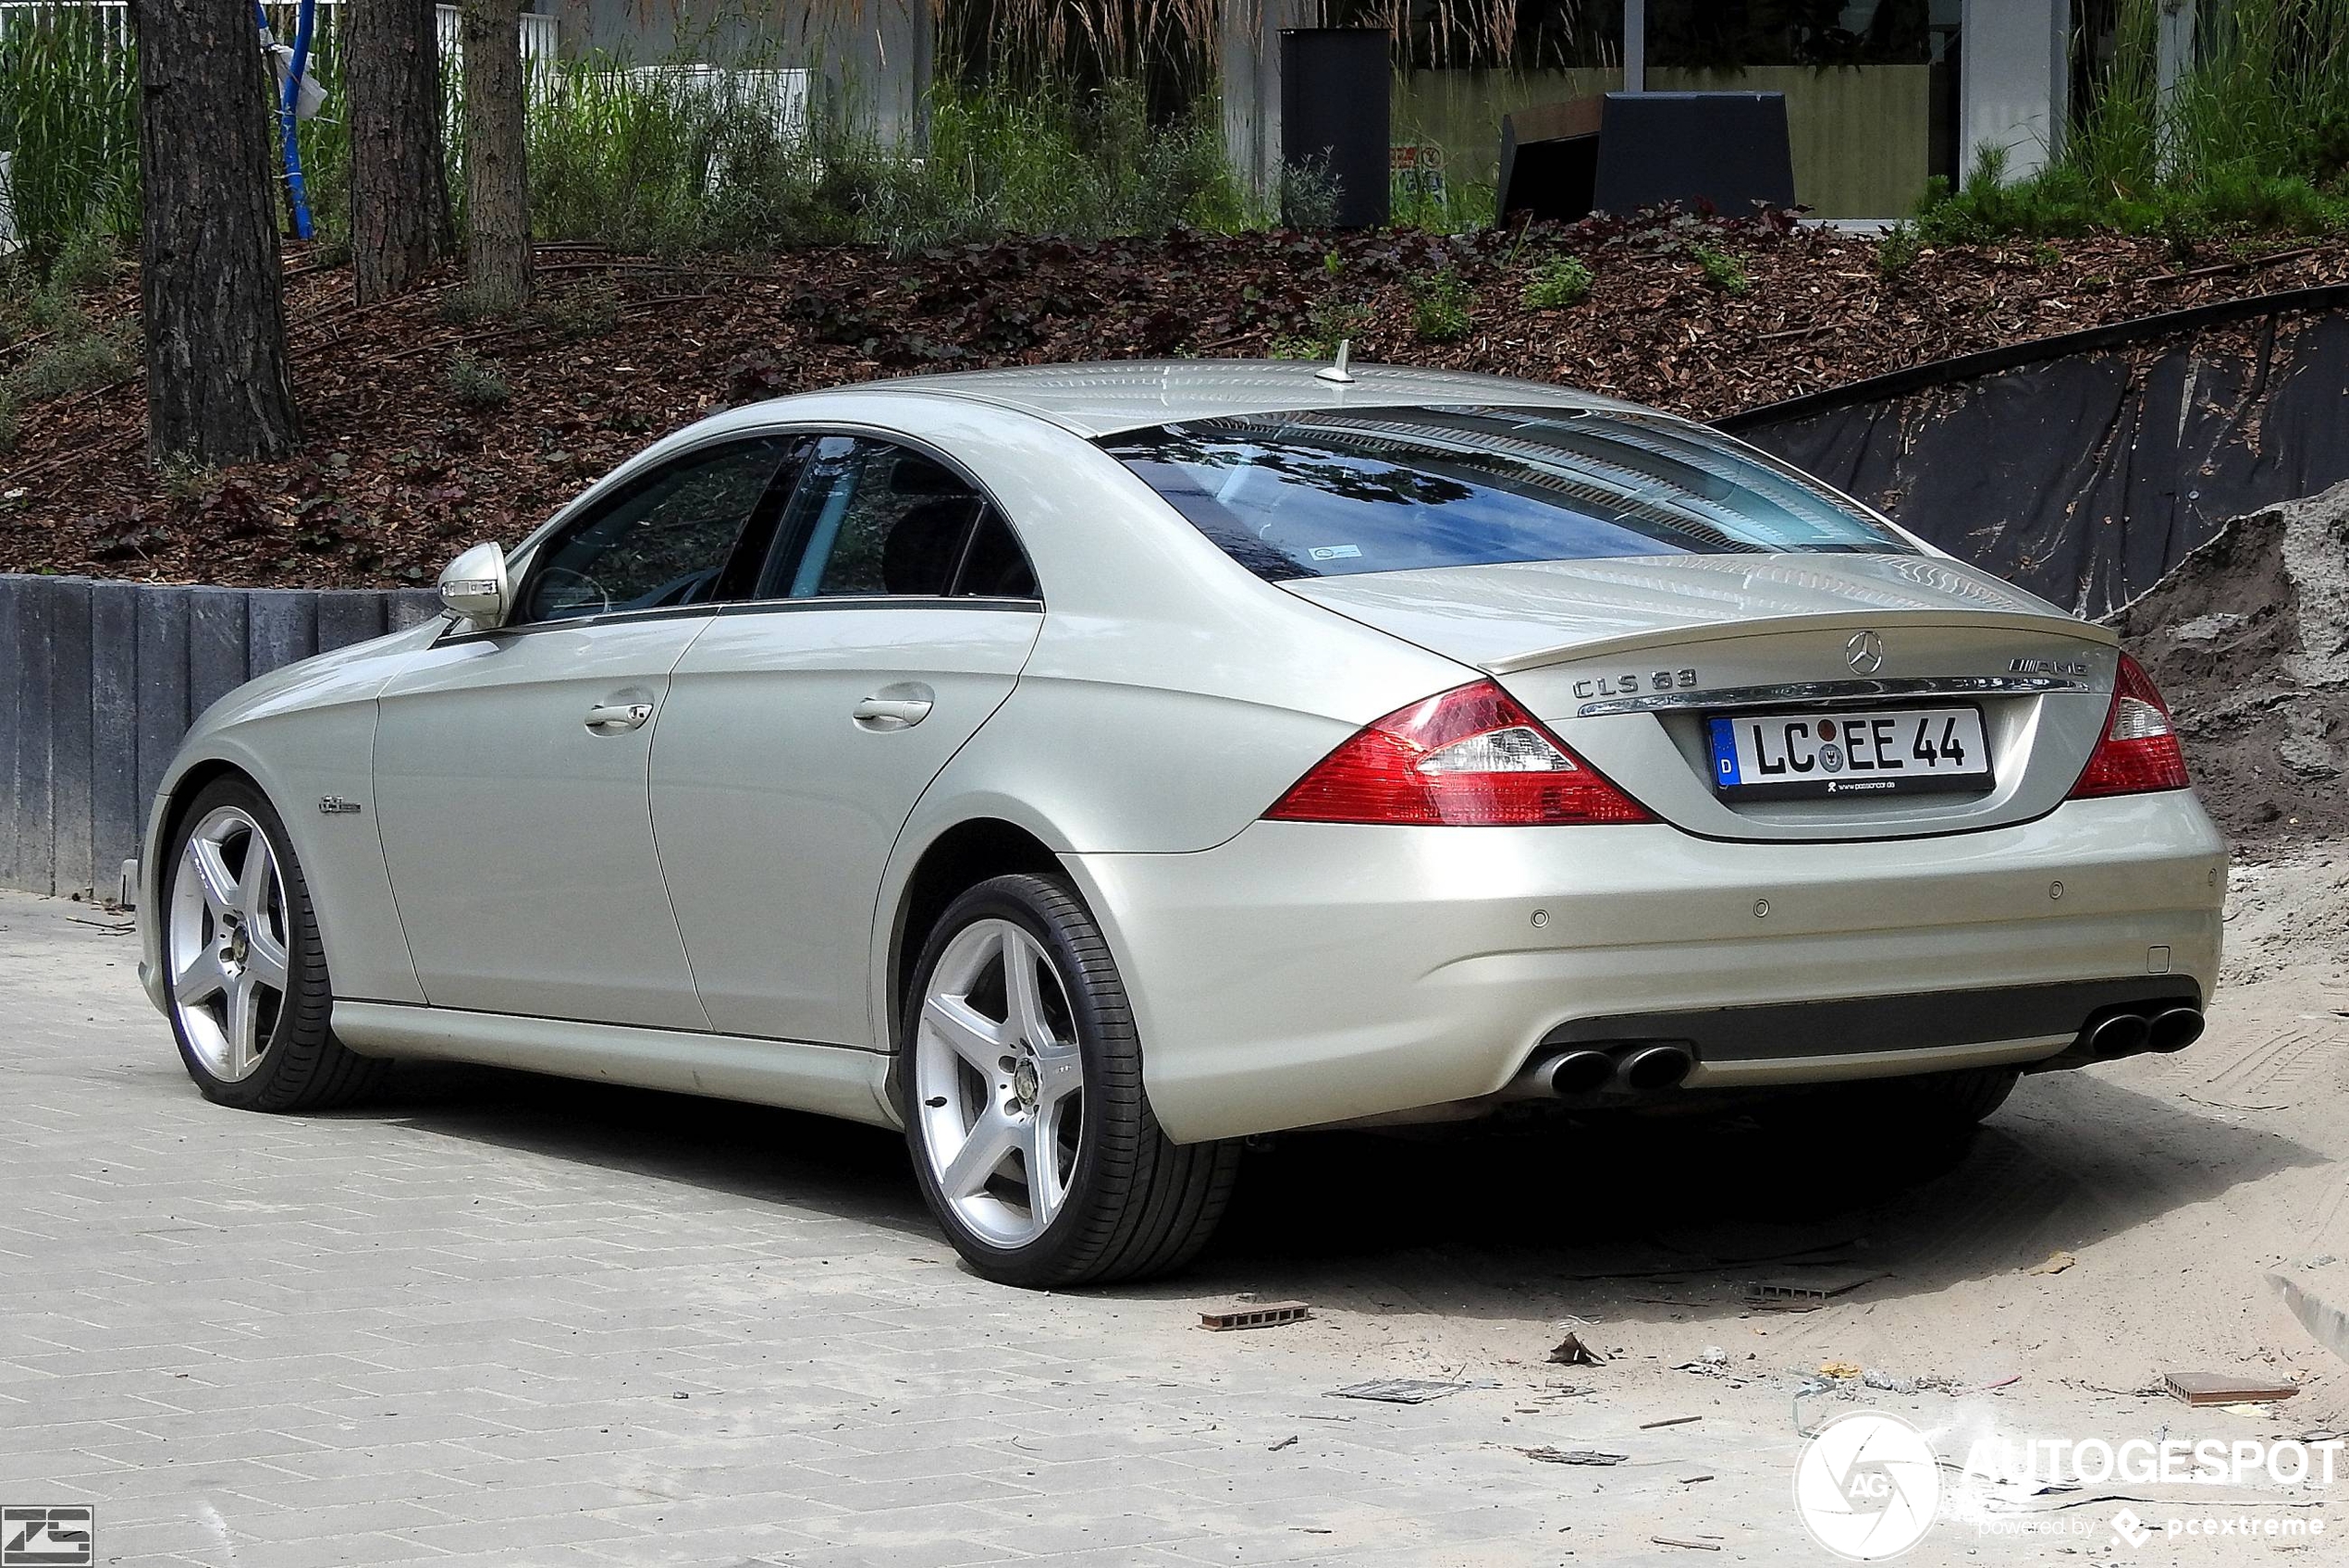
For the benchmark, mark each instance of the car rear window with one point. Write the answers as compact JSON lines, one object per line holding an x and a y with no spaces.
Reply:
{"x":1325,"y":493}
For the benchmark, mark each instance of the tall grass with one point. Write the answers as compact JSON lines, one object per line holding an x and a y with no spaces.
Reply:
{"x":2254,"y":135}
{"x":661,"y":160}
{"x":69,"y":119}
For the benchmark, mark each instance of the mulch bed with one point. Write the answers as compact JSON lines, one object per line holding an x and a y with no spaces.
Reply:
{"x":399,"y":469}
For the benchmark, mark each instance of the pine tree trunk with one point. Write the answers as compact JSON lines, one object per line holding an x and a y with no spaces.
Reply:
{"x":399,"y":192}
{"x":497,"y":187}
{"x":211,"y":289}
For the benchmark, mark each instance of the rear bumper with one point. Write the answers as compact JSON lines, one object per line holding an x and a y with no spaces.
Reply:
{"x":1303,"y":973}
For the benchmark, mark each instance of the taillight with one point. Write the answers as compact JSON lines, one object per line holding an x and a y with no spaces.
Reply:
{"x":1469,"y":757}
{"x":2139,"y":750}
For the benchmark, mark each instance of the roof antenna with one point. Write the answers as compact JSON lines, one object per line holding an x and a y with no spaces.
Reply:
{"x":1337,"y":372}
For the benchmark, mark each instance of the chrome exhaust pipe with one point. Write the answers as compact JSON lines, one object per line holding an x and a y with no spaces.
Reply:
{"x":1581,"y":1072}
{"x":2173,"y":1029}
{"x":1655,"y":1067}
{"x":2123,"y":1033}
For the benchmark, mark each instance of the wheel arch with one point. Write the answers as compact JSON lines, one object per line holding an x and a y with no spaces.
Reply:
{"x":959,"y":858}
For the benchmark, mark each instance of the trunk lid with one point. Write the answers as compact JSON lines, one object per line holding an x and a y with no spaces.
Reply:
{"x":1630,"y":660}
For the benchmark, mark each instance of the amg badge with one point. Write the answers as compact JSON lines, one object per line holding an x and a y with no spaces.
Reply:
{"x":335,"y":805}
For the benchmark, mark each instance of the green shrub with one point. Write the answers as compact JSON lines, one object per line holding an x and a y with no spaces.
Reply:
{"x":1558,"y":283}
{"x":2254,"y":136}
{"x":73,"y":362}
{"x":473,"y":384}
{"x":1327,"y":324}
{"x":587,"y":310}
{"x":1440,"y":308}
{"x":1898,"y":250}
{"x":1722,"y":270}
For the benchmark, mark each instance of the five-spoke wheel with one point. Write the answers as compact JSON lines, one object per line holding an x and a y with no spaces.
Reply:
{"x":249,"y":990}
{"x":998,"y":1081}
{"x":226,"y":942}
{"x":1022,"y":1093}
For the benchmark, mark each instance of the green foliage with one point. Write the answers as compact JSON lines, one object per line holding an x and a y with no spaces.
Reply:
{"x":1440,"y":308}
{"x":1328,"y":323}
{"x":85,"y":262}
{"x":1722,"y":270}
{"x":10,"y":427}
{"x":69,"y":119}
{"x":663,"y":161}
{"x":586,"y":310}
{"x":186,"y":481}
{"x":1558,"y":283}
{"x":473,"y":384}
{"x":1898,"y":251}
{"x":73,"y":360}
{"x":1457,"y":207}
{"x":2253,"y":138}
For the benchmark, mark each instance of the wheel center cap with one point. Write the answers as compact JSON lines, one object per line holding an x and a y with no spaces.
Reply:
{"x":238,"y":944}
{"x":1025,"y":1084}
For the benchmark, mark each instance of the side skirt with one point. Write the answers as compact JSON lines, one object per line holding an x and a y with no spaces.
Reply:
{"x":825,"y":1080}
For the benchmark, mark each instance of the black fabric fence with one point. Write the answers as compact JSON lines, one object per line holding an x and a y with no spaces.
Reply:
{"x":2084,"y":467}
{"x":100,"y":681}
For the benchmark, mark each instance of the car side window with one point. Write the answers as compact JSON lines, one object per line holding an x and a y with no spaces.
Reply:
{"x":664,"y":540}
{"x":871,"y":519}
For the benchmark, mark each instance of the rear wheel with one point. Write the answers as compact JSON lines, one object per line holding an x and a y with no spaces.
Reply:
{"x":1021,"y":1075}
{"x":249,"y":995}
{"x":1923,"y":1120}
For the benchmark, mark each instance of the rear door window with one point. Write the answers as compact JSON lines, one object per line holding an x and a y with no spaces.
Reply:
{"x":872,"y":519}
{"x":1330,"y":493}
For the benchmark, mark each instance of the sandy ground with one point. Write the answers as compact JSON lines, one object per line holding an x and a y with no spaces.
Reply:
{"x":2175,"y":1185}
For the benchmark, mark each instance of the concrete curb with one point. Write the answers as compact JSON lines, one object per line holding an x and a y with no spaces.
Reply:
{"x":99,"y":682}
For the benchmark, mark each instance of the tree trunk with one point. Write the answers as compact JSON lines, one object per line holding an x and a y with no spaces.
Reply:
{"x":211,"y":289}
{"x":399,"y":192}
{"x":497,"y":187}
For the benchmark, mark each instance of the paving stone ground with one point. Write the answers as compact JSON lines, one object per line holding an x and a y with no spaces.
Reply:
{"x":499,"y":1319}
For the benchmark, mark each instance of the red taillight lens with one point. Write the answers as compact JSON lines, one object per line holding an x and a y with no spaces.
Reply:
{"x":2139,"y":750}
{"x":1469,"y":757}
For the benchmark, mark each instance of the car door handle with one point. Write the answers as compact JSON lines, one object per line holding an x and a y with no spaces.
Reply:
{"x":891,"y":713}
{"x":614,"y":719}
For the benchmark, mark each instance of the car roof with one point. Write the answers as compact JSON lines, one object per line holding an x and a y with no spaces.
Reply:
{"x":1104,"y":398}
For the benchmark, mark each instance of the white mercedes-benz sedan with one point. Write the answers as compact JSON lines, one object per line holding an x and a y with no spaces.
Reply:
{"x":1087,"y":768}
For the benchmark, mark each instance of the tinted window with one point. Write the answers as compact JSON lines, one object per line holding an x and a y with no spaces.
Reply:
{"x":663,"y":541}
{"x":1319,"y":495}
{"x":870,"y":517}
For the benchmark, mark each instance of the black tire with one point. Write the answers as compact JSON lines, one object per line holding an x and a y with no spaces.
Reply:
{"x":303,"y":1067}
{"x":1139,"y":1204}
{"x":1922,"y":1122}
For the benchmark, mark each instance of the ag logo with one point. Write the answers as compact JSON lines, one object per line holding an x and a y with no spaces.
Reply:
{"x":1867,"y":1486}
{"x":60,"y":1536}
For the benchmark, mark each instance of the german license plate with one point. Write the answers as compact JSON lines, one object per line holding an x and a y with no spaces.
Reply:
{"x":1884,"y":751}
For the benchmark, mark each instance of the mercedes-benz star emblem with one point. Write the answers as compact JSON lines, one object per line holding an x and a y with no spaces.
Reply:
{"x":1864,"y":653}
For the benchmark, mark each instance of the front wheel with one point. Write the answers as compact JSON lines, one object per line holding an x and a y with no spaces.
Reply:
{"x":1021,"y":1077}
{"x":249,"y":991}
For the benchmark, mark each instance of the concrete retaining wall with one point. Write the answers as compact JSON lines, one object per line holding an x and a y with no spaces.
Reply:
{"x":98,"y":682}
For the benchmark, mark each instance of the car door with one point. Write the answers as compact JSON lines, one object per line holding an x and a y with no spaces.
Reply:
{"x":893,"y":619}
{"x":511,"y":766}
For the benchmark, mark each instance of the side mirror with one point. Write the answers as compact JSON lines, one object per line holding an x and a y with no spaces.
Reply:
{"x":475,"y":587}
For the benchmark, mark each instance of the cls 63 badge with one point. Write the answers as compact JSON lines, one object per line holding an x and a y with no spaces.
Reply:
{"x":1631,"y":685}
{"x":55,"y":1536}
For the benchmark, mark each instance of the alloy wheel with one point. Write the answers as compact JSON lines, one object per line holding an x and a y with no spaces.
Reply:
{"x":226,"y":944}
{"x":998,"y":1081}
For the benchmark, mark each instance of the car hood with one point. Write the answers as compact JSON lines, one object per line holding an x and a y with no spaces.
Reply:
{"x":1521,"y":615}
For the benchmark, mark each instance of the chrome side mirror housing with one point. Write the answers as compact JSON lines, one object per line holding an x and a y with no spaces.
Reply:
{"x":475,"y":587}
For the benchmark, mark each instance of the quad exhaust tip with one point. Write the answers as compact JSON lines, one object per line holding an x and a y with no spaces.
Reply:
{"x":1581,"y":1073}
{"x":2124,"y":1033}
{"x":2173,"y":1029}
{"x":1653,"y":1068}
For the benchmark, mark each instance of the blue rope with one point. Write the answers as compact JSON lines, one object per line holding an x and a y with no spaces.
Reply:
{"x":288,"y":119}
